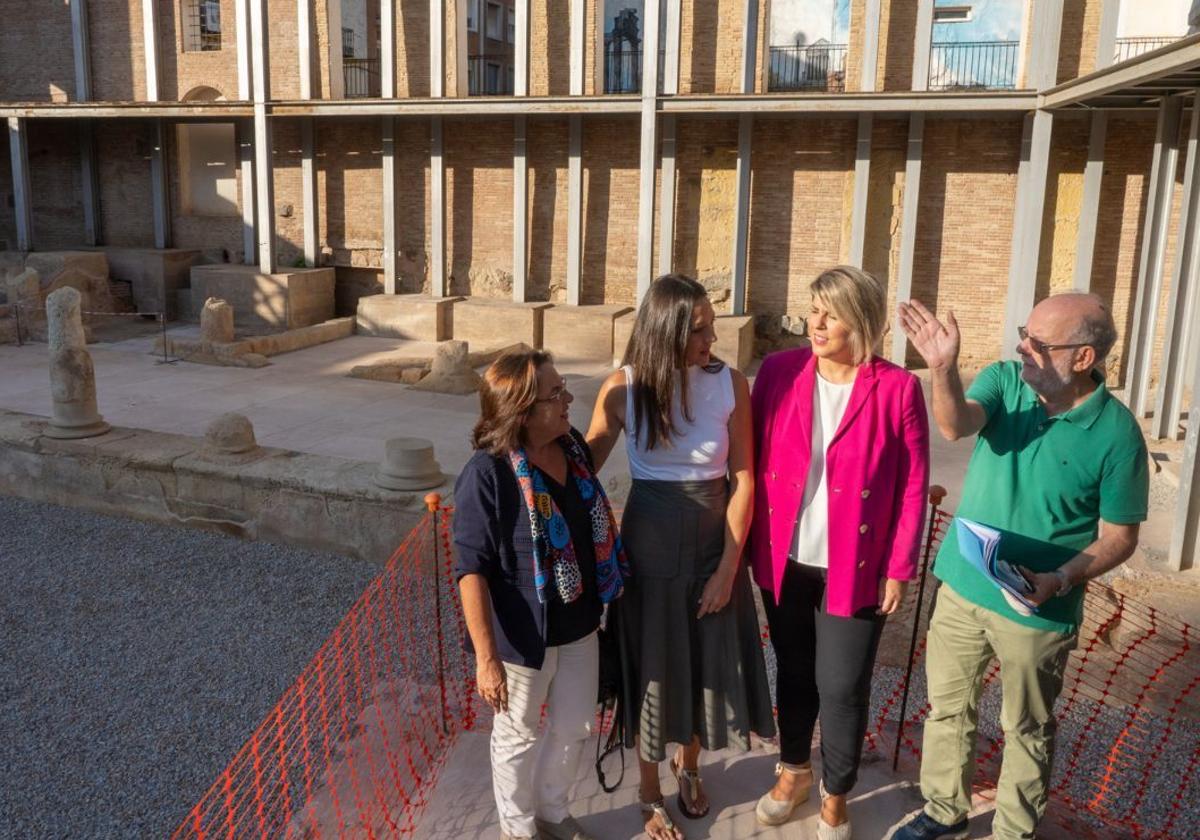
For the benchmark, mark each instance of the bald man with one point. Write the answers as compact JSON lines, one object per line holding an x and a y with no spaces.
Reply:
{"x":1060,"y":469}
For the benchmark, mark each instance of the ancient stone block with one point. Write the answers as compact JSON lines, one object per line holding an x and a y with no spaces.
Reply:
{"x":216,"y":321}
{"x":414,"y":317}
{"x":581,"y":332}
{"x":84,"y":271}
{"x":488,"y":322}
{"x":74,"y":413}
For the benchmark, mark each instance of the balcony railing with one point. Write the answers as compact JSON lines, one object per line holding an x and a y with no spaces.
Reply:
{"x":973,"y":65}
{"x":623,"y":71}
{"x":1128,"y":48}
{"x":360,"y":77}
{"x":816,"y":67}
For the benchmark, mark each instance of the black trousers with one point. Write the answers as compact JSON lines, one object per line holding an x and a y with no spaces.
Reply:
{"x":825,"y":663}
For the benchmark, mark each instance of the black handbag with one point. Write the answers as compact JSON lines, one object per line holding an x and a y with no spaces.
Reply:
{"x":609,"y":700}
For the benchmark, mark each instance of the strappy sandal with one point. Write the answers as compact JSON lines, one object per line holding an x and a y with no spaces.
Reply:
{"x":771,"y":811}
{"x":691,"y":778}
{"x":658,"y":808}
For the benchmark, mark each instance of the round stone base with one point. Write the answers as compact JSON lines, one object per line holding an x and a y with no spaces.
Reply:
{"x":76,"y":432}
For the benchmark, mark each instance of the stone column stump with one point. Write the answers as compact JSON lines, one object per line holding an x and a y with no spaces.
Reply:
{"x":74,"y":413}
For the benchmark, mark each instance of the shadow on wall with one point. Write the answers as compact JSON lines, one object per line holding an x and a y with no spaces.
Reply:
{"x":110,"y":38}
{"x":548,"y":163}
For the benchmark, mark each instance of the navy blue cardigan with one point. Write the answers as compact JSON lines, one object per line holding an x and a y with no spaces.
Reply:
{"x":492,"y":537}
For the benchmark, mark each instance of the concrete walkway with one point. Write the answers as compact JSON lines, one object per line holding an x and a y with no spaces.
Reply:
{"x":462,"y":807}
{"x":305,"y":400}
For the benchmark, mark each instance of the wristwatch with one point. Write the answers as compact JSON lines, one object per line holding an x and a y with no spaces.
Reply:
{"x":1064,"y":583}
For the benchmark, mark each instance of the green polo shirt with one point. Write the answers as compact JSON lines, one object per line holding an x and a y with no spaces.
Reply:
{"x":1045,"y":483}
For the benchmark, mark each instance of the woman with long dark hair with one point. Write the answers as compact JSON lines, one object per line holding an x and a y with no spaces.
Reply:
{"x":693,"y":666}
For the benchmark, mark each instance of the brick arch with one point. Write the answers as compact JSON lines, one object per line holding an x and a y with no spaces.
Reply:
{"x":203,"y":93}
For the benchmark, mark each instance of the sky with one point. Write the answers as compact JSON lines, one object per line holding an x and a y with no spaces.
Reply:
{"x":991,"y":20}
{"x":1147,"y":18}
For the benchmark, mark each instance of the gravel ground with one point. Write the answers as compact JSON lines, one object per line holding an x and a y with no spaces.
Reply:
{"x":135,"y":660}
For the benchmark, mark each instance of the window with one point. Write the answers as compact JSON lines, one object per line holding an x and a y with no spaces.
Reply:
{"x":495,"y":21}
{"x":347,"y":42}
{"x":952,"y":14}
{"x":201,"y":25}
{"x":472,"y":16}
{"x":512,"y":25}
{"x":493,"y":78}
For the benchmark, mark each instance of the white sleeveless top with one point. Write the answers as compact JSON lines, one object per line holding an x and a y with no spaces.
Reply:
{"x":700,"y":451}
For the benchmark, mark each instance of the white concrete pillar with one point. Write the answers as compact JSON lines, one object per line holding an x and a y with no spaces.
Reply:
{"x":578,"y":38}
{"x":520,"y":211}
{"x":304,"y":46}
{"x":263,"y":144}
{"x":18,"y":149}
{"x":870,"y":47}
{"x":1153,"y":256}
{"x":159,"y":190}
{"x":437,"y":48}
{"x":521,"y":50}
{"x":308,"y":186}
{"x":862,"y":183}
{"x":1184,"y":552}
{"x":150,"y":47}
{"x":575,"y":208}
{"x":670,"y":80}
{"x":741,"y":216}
{"x":241,"y":10}
{"x":1093,"y":173}
{"x":1046,"y":38}
{"x":245,"y":141}
{"x":81,"y":50}
{"x":391,"y":231}
{"x":749,"y":45}
{"x":908,"y":225}
{"x":647,"y":165}
{"x":437,"y":209}
{"x":666,"y":204}
{"x":89,"y":182}
{"x":1181,"y":307}
{"x":387,"y":49}
{"x":337,"y":70}
{"x":922,"y":40}
{"x":1027,"y":227}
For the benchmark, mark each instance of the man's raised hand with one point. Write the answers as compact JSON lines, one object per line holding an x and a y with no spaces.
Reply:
{"x":937,"y":343}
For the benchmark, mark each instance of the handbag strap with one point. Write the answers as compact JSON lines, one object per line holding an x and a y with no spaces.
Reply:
{"x":615,"y":742}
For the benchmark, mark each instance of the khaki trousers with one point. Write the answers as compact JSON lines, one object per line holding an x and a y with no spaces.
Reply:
{"x":962,"y":639}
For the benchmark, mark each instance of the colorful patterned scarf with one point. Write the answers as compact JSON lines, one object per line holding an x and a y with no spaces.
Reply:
{"x":553,"y":552}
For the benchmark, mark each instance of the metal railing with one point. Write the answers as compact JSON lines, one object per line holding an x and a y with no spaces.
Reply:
{"x":1128,"y":48}
{"x":360,"y":77}
{"x":973,"y":65}
{"x":478,"y":81}
{"x":816,"y":67}
{"x":623,"y":71}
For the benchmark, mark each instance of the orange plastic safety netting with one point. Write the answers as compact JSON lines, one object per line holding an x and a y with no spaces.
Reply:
{"x":1128,"y":740}
{"x":353,"y":748}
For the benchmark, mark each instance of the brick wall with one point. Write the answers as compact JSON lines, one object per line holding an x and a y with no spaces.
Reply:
{"x":284,"y":48}
{"x":43,"y":74}
{"x":219,"y":236}
{"x":550,"y":48}
{"x":8,"y":218}
{"x":289,"y":197}
{"x":1064,"y":203}
{"x":117,"y":49}
{"x":479,"y":191}
{"x":412,"y":49}
{"x":183,"y":71}
{"x":123,"y":157}
{"x":705,"y":202}
{"x":54,"y":176}
{"x":897,"y":31}
{"x":547,"y":143}
{"x":885,"y":202}
{"x":801,"y":168}
{"x":610,"y":209}
{"x":964,"y":229}
{"x":710,"y":46}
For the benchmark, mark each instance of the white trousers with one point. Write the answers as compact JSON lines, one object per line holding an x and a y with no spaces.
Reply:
{"x":532,"y":776}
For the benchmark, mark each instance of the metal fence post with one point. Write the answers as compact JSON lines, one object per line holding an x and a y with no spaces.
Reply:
{"x":433,"y":503}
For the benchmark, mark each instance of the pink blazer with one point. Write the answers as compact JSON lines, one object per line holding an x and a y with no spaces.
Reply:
{"x":877,"y":471}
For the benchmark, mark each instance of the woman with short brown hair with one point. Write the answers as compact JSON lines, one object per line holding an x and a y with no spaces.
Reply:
{"x":537,"y":557}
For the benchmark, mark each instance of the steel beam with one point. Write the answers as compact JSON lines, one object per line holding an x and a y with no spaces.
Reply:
{"x":578,"y":37}
{"x":862,"y":184}
{"x":870,"y":47}
{"x":81,"y":50}
{"x":159,"y":191}
{"x":908,"y":225}
{"x":647,"y":159}
{"x":1153,"y":256}
{"x":89,"y":179}
{"x":391,"y":232}
{"x":574,"y":210}
{"x":437,"y":209}
{"x":304,"y":46}
{"x":922,"y":43}
{"x":521,"y":50}
{"x":1184,"y":552}
{"x":308,"y":187}
{"x":150,"y":47}
{"x":264,"y":181}
{"x":241,"y":14}
{"x":1181,"y":307}
{"x":741,"y":217}
{"x":245,"y":141}
{"x":437,"y":48}
{"x":18,"y":152}
{"x":387,"y":49}
{"x":666,"y":205}
{"x":520,"y":212}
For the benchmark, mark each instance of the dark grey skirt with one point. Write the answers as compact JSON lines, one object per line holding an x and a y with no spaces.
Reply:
{"x":683,"y":676}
